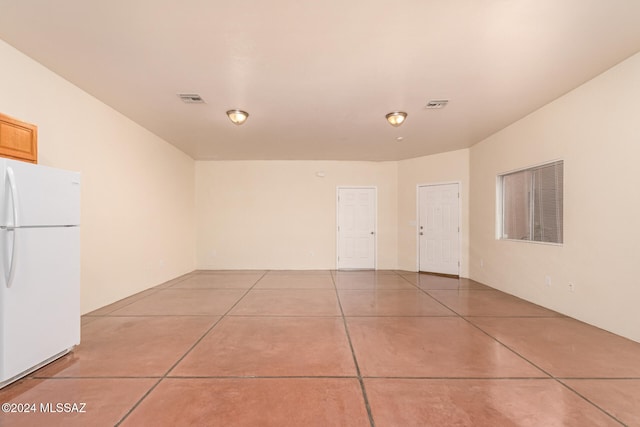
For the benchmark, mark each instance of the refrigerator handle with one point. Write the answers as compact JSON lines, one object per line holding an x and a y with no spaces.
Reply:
{"x":13,"y":190}
{"x":14,"y":193}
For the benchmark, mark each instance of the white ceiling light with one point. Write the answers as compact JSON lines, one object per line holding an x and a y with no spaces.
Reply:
{"x":396,"y":118}
{"x":238,"y":117}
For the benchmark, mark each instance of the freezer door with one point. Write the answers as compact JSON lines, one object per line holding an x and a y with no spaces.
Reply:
{"x":44,"y":196}
{"x":40,"y":312}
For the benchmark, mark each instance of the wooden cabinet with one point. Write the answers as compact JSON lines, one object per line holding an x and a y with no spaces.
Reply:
{"x":18,"y":140}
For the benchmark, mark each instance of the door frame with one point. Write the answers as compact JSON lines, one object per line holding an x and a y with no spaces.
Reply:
{"x":375,"y":222}
{"x":417,"y":231}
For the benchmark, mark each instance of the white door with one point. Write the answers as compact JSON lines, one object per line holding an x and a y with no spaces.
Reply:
{"x":439,"y":228}
{"x":356,"y":228}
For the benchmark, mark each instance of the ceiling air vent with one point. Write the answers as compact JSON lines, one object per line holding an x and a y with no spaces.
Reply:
{"x":436,"y":104}
{"x":191,"y":98}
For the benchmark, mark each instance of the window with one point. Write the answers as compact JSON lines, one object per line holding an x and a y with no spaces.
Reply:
{"x":532,"y":204}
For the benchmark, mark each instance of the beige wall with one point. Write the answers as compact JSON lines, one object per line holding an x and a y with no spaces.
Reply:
{"x":437,"y":169}
{"x":141,"y":196}
{"x":280,"y":215}
{"x":137,"y":190}
{"x":595,"y":129}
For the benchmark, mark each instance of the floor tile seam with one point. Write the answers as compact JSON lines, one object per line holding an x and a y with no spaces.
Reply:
{"x":372,"y":288}
{"x":508,"y":316}
{"x":215,"y":286}
{"x":551,"y":376}
{"x":348,"y":335}
{"x":568,"y":387}
{"x":382,"y":290}
{"x":151,"y":291}
{"x":507,"y":347}
{"x":551,"y":316}
{"x":135,"y":405}
{"x":180,"y":359}
{"x":186,"y":353}
{"x":159,"y":315}
{"x":598,"y":378}
{"x":208,"y":288}
{"x":404,"y":316}
{"x":393,"y":377}
{"x":203,"y":289}
{"x":440,"y":302}
{"x":456,"y":290}
{"x":363,"y":390}
{"x":465,"y":290}
{"x":93,"y":377}
{"x":294,"y":289}
{"x":415,"y":285}
{"x":503,"y":379}
{"x":258,"y":377}
{"x":558,"y":380}
{"x":338,"y":316}
{"x":315,"y":316}
{"x":454,"y":315}
{"x":266,"y":272}
{"x":178,"y":280}
{"x":508,"y":295}
{"x":450,"y":378}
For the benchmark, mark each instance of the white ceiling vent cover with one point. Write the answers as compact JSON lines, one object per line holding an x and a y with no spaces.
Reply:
{"x":436,"y":104}
{"x":191,"y":98}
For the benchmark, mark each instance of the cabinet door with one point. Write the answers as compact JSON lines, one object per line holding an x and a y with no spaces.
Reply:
{"x":18,"y":140}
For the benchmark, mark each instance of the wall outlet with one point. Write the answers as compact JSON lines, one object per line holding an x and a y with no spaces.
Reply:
{"x":572,"y":287}
{"x":547,"y":280}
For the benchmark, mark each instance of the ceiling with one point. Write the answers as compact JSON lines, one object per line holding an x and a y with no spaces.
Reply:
{"x":318,"y":77}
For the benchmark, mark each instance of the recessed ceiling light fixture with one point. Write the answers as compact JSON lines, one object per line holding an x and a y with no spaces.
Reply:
{"x":396,"y":118}
{"x":238,"y":117}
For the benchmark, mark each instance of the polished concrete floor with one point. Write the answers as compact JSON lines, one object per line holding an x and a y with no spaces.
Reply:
{"x":326,"y":348}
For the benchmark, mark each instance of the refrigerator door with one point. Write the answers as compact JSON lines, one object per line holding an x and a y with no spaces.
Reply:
{"x":40,"y":312}
{"x":44,"y":196}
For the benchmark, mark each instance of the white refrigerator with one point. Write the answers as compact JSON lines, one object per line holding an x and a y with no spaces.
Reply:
{"x":39,"y":266}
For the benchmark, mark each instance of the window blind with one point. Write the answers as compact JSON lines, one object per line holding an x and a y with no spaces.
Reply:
{"x":532,"y":204}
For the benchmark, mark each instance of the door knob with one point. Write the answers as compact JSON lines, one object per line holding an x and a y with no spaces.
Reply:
{"x":373,"y":232}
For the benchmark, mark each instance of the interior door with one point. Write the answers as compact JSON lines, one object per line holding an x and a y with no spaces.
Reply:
{"x":439,"y":228}
{"x":356,"y":228}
